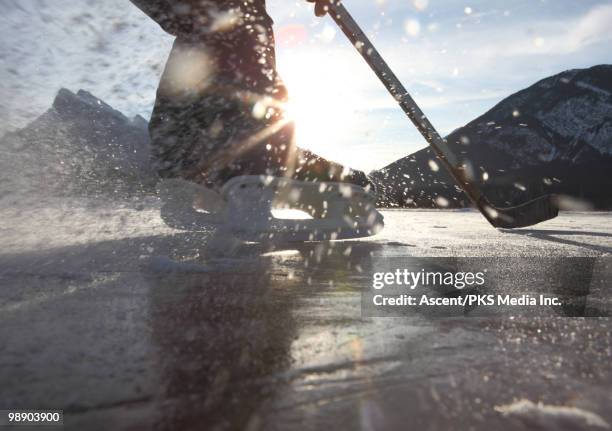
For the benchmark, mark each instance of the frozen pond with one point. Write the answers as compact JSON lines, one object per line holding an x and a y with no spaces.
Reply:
{"x":122,"y":322}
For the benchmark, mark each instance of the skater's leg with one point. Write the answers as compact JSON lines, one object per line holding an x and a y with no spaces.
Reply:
{"x":218,"y":112}
{"x":195,"y":116}
{"x":212,"y":137}
{"x":210,"y":112}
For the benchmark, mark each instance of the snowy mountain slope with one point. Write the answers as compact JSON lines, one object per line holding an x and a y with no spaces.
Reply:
{"x":550,"y":137}
{"x":80,"y":145}
{"x":550,"y":119}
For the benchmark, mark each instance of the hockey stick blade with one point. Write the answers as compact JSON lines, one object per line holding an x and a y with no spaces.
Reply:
{"x":532,"y":212}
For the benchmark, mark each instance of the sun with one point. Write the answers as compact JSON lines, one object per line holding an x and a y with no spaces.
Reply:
{"x":316,"y":105}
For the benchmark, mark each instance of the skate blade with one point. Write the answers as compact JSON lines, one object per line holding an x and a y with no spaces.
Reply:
{"x":340,"y":210}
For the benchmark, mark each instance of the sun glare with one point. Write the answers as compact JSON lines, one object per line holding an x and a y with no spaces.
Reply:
{"x":321,"y":113}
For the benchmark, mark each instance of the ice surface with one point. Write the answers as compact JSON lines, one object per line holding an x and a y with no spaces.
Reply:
{"x":109,"y":313}
{"x":163,"y":264}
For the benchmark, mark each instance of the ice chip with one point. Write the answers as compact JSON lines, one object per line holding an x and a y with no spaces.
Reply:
{"x":468,"y":170}
{"x":225,"y":20}
{"x":520,"y":187}
{"x":491,"y":212}
{"x":345,"y":191}
{"x":442,"y":202}
{"x":328,"y":34}
{"x":420,"y":4}
{"x":188,"y":70}
{"x":294,"y":195}
{"x":347,"y":220}
{"x":571,"y":203}
{"x":433,"y":165}
{"x":259,"y":110}
{"x":412,"y":27}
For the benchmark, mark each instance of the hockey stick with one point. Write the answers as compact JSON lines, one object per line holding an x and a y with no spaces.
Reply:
{"x":527,"y":214}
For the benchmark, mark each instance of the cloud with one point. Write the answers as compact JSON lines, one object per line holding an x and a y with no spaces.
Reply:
{"x":593,"y":27}
{"x":536,"y":37}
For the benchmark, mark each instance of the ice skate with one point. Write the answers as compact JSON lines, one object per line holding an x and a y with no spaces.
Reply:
{"x":272,"y":209}
{"x":334,"y":210}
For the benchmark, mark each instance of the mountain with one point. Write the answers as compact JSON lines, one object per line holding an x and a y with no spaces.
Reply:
{"x":553,"y":137}
{"x":80,"y":146}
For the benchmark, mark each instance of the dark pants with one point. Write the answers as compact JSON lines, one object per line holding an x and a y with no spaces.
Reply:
{"x":218,"y":111}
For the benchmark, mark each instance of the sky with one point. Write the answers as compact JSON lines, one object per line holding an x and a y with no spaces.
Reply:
{"x":458,"y":58}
